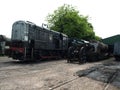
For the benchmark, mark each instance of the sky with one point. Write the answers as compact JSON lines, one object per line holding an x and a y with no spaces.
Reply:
{"x":103,"y":14}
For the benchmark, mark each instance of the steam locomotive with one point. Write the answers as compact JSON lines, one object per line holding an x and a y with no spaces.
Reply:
{"x":32,"y":42}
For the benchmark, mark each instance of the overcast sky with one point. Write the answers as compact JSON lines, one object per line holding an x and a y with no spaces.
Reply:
{"x":104,"y":14}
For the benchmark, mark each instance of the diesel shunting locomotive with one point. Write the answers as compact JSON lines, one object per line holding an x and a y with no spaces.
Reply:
{"x":32,"y":42}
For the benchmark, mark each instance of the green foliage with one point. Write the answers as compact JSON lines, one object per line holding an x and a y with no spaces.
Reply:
{"x":98,"y":38}
{"x":66,"y":19}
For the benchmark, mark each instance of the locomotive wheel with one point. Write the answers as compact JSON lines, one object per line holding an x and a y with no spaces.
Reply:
{"x":68,"y":60}
{"x":82,"y":59}
{"x":70,"y":54}
{"x":82,"y":55}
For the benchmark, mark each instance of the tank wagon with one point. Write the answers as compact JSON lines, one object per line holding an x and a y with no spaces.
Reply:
{"x":30,"y":42}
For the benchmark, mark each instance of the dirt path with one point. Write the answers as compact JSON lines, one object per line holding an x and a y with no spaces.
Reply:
{"x":51,"y":75}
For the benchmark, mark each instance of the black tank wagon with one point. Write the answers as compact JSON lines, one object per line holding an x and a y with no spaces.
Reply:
{"x":30,"y":42}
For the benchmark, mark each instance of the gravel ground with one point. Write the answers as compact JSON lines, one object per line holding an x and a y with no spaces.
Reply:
{"x":52,"y":75}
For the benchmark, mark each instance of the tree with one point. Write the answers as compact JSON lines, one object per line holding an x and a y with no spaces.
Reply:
{"x":98,"y":38}
{"x":66,"y":19}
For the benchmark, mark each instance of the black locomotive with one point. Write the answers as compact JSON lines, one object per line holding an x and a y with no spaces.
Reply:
{"x":32,"y":42}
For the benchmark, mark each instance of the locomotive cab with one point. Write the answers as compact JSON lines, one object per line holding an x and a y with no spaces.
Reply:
{"x":20,"y":31}
{"x":19,"y":40}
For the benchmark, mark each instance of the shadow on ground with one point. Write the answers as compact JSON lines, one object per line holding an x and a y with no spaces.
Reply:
{"x":17,"y":62}
{"x":108,"y":72}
